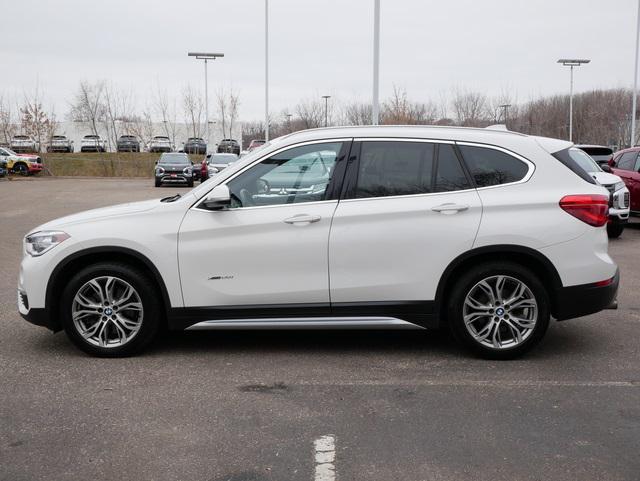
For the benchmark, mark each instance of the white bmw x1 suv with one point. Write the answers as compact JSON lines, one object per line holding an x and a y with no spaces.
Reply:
{"x":490,"y":233}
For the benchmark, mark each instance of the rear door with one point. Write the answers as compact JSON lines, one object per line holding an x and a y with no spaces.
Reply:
{"x":627,"y":168}
{"x":408,"y":209}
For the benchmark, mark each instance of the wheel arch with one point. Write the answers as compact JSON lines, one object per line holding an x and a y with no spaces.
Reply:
{"x":78,"y":260}
{"x":525,"y":256}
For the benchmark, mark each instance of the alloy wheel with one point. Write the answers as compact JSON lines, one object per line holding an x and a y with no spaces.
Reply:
{"x":500,"y":312}
{"x":107,"y":312}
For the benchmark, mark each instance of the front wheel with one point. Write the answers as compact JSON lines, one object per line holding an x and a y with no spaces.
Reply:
{"x":110,"y":310}
{"x":614,"y":230}
{"x":21,"y":169}
{"x":499,"y":310}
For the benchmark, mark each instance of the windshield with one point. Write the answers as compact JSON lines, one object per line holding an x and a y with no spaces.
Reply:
{"x":584,"y":160}
{"x":223,"y":158}
{"x":161,"y":138}
{"x":174,"y":159}
{"x":91,"y":136}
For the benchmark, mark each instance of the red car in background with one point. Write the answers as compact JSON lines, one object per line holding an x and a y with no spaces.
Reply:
{"x":626,"y":164}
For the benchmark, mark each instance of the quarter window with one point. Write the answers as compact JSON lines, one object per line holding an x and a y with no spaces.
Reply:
{"x":492,"y":167}
{"x":627,"y":161}
{"x":300,"y":174}
{"x":390,"y":168}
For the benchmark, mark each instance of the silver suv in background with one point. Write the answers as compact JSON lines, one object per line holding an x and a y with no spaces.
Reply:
{"x":160,"y":143}
{"x":93,"y":143}
{"x":60,"y":143}
{"x":24,"y":144}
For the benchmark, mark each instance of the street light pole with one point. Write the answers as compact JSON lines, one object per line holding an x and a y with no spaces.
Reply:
{"x":206,"y":56}
{"x":635,"y":83}
{"x":375,"y":108}
{"x":505,"y":108}
{"x":572,"y":62}
{"x":266,"y":70}
{"x":326,"y":102}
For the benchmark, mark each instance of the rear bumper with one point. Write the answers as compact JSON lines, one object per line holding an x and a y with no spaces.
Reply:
{"x":581,"y":300}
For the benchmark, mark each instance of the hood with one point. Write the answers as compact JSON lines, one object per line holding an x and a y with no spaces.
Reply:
{"x":95,"y":214}
{"x":605,"y":178}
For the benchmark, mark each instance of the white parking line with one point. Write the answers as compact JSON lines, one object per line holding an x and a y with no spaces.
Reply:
{"x":325,"y":453}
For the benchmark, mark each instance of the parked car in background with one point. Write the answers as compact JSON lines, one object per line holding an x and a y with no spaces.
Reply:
{"x":600,"y":153}
{"x":255,"y":143}
{"x":626,"y":164}
{"x":160,"y":143}
{"x":619,"y":201}
{"x":490,"y":234}
{"x":24,"y":144}
{"x":93,"y":143}
{"x":60,"y":143}
{"x":195,"y":145}
{"x":22,"y":164}
{"x":128,"y":143}
{"x":215,"y":163}
{"x":174,"y":167}
{"x":229,"y":146}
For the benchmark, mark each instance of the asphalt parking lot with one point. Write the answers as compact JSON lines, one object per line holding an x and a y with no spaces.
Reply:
{"x":242,"y":406}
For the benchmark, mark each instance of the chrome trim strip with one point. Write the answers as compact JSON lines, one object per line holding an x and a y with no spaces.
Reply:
{"x":306,"y":323}
{"x":403,"y":139}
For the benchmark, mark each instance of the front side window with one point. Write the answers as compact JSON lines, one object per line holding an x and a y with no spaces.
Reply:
{"x":390,"y":168}
{"x":296,"y":175}
{"x":492,"y":167}
{"x":627,"y":161}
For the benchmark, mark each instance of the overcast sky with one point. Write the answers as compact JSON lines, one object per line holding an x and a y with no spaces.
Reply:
{"x":317,"y":47}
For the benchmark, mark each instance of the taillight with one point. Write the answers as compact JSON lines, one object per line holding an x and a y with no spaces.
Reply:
{"x":591,"y":209}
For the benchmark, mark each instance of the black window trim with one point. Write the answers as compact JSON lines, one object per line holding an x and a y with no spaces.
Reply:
{"x":333,"y":188}
{"x":353,"y":168}
{"x":528,"y":175}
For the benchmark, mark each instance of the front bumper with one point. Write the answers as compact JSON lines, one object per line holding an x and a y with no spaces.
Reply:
{"x":174,"y":178}
{"x":585,"y":299}
{"x":37,"y":316}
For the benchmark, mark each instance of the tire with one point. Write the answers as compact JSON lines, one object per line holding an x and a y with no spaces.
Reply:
{"x":190,"y":183}
{"x":158,"y":183}
{"x":127,"y":332}
{"x":21,"y":169}
{"x":535,"y":320}
{"x":614,"y":230}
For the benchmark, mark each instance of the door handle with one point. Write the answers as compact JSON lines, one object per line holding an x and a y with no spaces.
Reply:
{"x":450,"y":208}
{"x":302,"y":219}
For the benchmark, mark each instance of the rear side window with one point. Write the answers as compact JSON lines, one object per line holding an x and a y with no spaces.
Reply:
{"x":566,"y":159}
{"x":492,"y":167}
{"x":627,"y":161}
{"x":408,"y":168}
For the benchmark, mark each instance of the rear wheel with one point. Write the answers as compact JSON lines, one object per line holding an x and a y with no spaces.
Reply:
{"x":110,"y":310}
{"x":499,"y":310}
{"x":21,"y":169}
{"x":614,"y":230}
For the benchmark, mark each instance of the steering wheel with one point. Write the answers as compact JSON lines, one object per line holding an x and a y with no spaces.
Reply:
{"x":263,"y":186}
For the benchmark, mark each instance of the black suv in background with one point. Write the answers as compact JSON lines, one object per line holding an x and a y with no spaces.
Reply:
{"x":128,"y":143}
{"x":195,"y":145}
{"x":229,"y":146}
{"x":174,"y":167}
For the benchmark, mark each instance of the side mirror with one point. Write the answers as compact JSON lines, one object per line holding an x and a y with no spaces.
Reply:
{"x":606,"y":168}
{"x":219,"y":198}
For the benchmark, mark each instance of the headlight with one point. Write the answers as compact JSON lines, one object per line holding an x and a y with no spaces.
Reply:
{"x":159,"y":170}
{"x":41,"y":242}
{"x":186,"y":170}
{"x":618,"y":186}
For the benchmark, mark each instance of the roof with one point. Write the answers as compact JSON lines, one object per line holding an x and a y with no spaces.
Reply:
{"x":504,"y":138}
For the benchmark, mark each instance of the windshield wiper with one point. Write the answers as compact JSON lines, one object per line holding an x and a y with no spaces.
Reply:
{"x":171,"y":198}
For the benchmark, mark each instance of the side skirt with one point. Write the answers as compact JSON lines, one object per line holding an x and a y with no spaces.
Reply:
{"x":419,"y":314}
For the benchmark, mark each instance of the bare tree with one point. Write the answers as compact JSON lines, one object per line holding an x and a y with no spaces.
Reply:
{"x":117,"y":108}
{"x":88,"y":105}
{"x":8,"y":126}
{"x":168,"y":114}
{"x":399,"y":110}
{"x":470,"y":109}
{"x":228,"y":104}
{"x":310,"y":113}
{"x":35,"y":121}
{"x":193,"y":106}
{"x":142,"y":126}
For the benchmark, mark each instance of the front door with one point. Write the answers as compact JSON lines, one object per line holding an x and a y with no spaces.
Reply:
{"x":628,"y":168}
{"x":409,"y":210}
{"x":268,"y":251}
